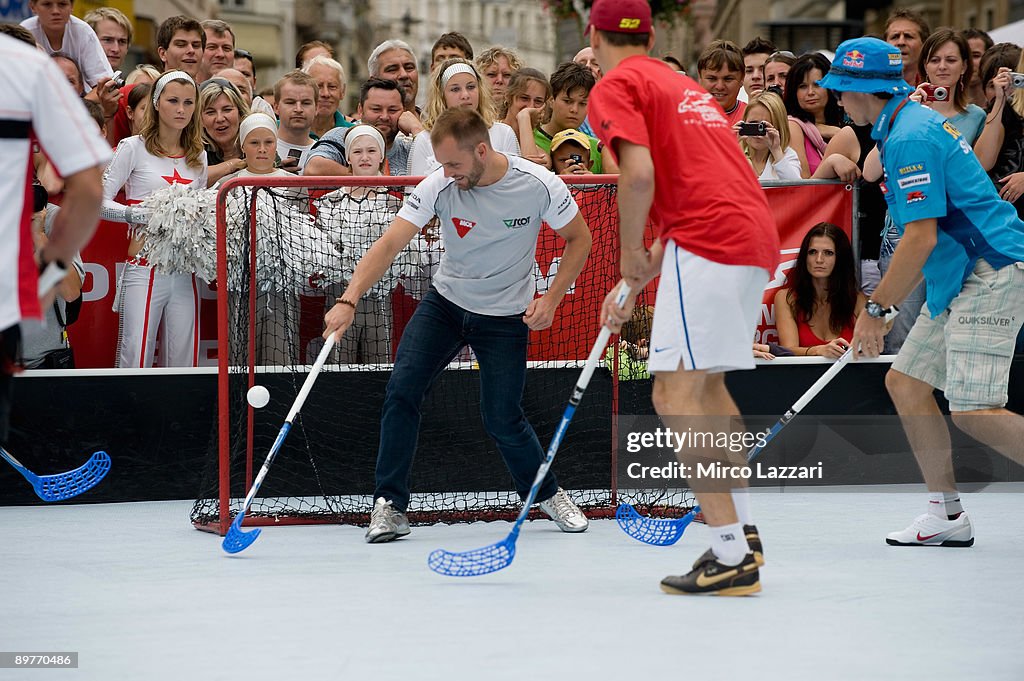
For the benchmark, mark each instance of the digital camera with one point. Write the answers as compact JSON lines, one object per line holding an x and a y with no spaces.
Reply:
{"x":935,"y":93}
{"x":576,"y":158}
{"x":758,"y":129}
{"x":1017,"y":80}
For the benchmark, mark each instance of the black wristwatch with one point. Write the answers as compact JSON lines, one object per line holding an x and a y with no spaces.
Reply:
{"x":875,"y":310}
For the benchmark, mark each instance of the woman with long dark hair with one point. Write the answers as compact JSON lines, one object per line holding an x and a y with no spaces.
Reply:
{"x":816,"y":309}
{"x":814,"y":112}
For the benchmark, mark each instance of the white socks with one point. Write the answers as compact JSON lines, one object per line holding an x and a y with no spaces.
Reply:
{"x":945,"y":505}
{"x":741,"y":500}
{"x":729,"y":544}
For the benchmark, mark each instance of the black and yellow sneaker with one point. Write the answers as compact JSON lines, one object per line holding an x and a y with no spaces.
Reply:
{"x":753,"y":542}
{"x":712,"y":578}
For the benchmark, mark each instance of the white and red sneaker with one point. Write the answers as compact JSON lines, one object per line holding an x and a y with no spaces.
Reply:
{"x":930,"y":530}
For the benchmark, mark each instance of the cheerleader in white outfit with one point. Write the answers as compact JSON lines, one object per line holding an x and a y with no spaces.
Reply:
{"x":457,"y":83}
{"x":168,"y":150}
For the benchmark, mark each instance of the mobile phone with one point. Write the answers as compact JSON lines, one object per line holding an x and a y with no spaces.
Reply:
{"x":758,"y":129}
{"x":295,"y":153}
{"x":935,"y":93}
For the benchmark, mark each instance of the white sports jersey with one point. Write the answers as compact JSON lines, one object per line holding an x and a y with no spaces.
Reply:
{"x":37,"y":103}
{"x":141,"y":173}
{"x":490,"y":233}
{"x":81,"y":44}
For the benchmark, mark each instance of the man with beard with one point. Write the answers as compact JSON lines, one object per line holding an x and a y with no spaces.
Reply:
{"x":380,"y":105}
{"x":490,"y":208}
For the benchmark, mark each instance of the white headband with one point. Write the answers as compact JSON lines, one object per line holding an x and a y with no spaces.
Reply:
{"x":458,"y":67}
{"x":254,"y":121}
{"x":167,"y":78}
{"x":365,"y":131}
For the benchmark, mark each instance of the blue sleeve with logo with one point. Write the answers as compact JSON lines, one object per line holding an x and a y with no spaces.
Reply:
{"x":915,"y":180}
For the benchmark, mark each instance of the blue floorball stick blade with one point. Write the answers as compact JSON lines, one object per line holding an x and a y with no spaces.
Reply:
{"x":654,"y":531}
{"x":473,"y":563}
{"x":67,"y":485}
{"x":237,"y":539}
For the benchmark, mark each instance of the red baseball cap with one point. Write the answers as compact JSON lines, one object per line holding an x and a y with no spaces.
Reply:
{"x":620,"y":16}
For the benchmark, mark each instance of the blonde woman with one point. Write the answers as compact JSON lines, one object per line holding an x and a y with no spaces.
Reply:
{"x":168,"y":150}
{"x":497,"y":65}
{"x":222,"y":109}
{"x":770,"y":154}
{"x":457,"y":84}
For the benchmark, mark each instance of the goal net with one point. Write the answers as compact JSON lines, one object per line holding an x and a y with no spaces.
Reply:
{"x":286,"y":249}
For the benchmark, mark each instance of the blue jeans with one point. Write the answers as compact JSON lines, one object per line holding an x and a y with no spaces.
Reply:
{"x":438,"y":330}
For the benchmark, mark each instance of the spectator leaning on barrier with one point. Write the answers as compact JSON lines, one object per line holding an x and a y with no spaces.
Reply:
{"x":380,"y":105}
{"x":720,"y":72}
{"x":816,"y":309}
{"x":815,"y":115}
{"x":114,"y":31}
{"x":770,"y":154}
{"x":571,"y":84}
{"x":450,"y":45}
{"x":755,"y":54}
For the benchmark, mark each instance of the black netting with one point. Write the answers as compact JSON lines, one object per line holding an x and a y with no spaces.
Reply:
{"x":307,"y":240}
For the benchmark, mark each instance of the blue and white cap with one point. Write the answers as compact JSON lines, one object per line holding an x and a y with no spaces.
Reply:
{"x":867,"y":65}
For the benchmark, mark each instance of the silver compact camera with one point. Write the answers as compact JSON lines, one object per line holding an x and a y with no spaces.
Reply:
{"x":1017,"y":80}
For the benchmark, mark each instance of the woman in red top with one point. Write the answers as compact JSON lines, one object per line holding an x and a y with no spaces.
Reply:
{"x":816,"y":309}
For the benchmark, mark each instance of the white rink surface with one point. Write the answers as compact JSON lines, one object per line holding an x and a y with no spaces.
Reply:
{"x":141,"y":595}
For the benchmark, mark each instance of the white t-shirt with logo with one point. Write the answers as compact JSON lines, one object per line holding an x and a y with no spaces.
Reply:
{"x":490,"y":233}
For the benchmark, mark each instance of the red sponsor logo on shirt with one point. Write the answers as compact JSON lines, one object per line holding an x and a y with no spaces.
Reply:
{"x":463,"y":226}
{"x":914,"y":197}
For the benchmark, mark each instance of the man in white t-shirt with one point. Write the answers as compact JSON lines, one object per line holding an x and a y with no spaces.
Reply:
{"x":40,"y":105}
{"x":490,"y":207}
{"x":296,"y":96}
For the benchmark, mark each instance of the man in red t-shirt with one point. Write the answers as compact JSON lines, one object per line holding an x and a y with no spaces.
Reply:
{"x":716,"y":247}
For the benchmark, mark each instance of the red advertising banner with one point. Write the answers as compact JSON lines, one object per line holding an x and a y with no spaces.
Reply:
{"x":796,"y":209}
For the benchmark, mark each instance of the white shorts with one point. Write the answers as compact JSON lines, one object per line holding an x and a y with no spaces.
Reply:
{"x":705,"y":314}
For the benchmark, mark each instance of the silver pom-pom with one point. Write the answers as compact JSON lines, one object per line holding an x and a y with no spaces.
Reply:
{"x":292,"y":255}
{"x":181,"y":235}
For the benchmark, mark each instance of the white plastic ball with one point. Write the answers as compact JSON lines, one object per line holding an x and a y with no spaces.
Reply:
{"x":258,"y":396}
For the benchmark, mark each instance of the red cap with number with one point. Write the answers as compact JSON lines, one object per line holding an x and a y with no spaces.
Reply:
{"x":620,"y":16}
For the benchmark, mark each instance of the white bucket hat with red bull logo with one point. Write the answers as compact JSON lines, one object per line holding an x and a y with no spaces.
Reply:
{"x":867,"y":65}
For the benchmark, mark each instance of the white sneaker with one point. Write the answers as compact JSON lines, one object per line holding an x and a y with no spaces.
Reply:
{"x":386,"y":523}
{"x":565,"y":513}
{"x":930,"y":530}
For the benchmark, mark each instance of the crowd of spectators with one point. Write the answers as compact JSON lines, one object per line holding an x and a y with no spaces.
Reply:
{"x":789,"y":128}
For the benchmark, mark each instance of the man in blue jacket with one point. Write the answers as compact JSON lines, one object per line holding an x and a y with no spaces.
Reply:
{"x":968,"y":244}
